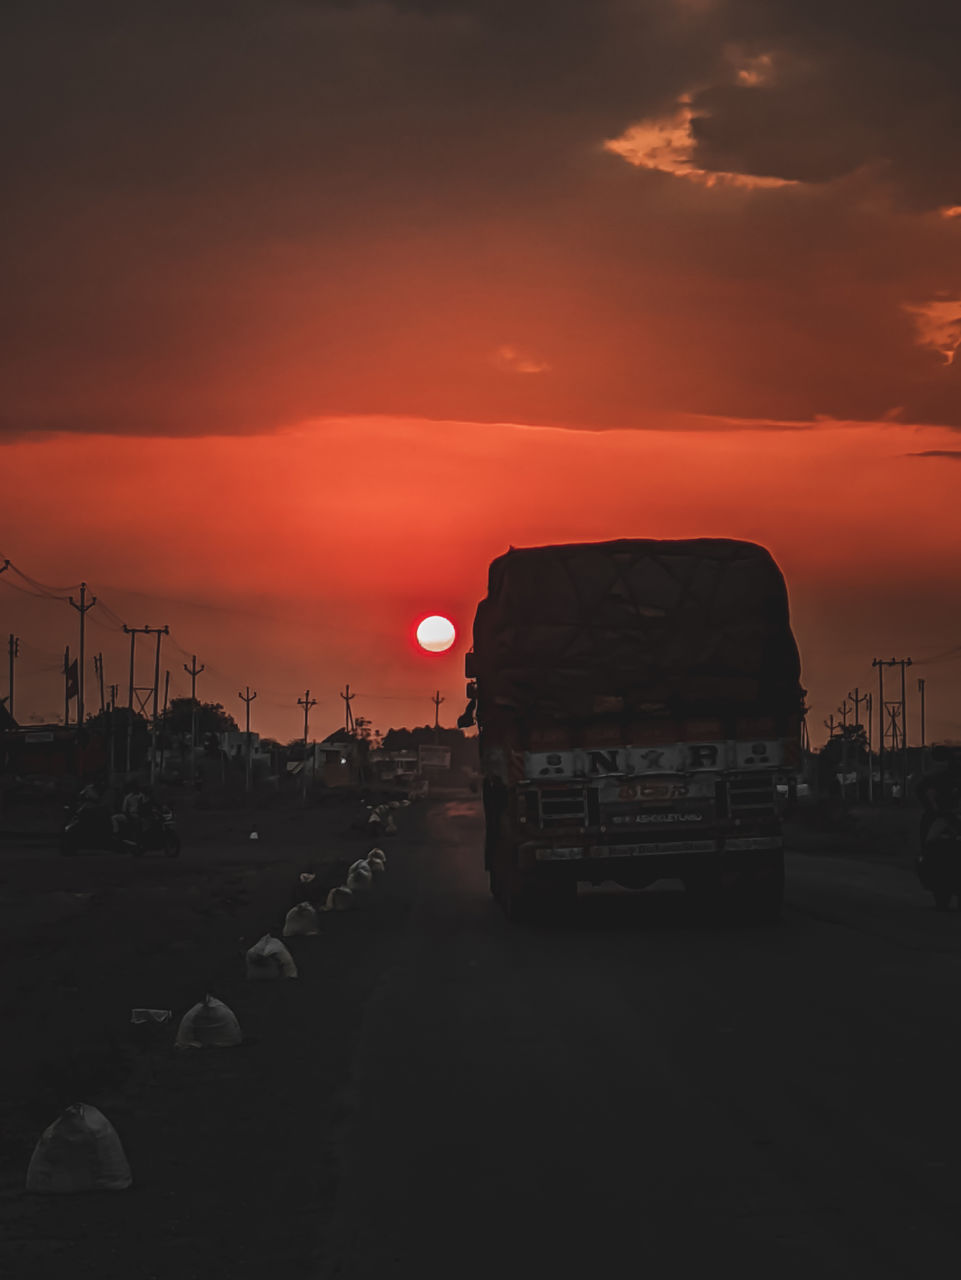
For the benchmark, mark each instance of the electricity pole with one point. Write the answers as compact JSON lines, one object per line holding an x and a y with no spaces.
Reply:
{"x":193,"y":671}
{"x":82,"y":609}
{"x":163,"y":724}
{"x":437,"y":700}
{"x":66,"y":695}
{"x":98,"y":668}
{"x":844,"y":710}
{"x":868,"y":699}
{"x":306,"y":702}
{"x":920,"y":690}
{"x":158,"y":631}
{"x":881,"y":663}
{"x":113,"y":716}
{"x":13,"y":651}
{"x":133,"y":632}
{"x":857,"y":698}
{"x":248,"y":698}
{"x":831,"y":725}
{"x":348,"y":698}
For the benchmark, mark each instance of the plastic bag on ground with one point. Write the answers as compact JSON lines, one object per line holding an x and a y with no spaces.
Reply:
{"x":301,"y":920}
{"x":208,"y":1025}
{"x":269,"y":958}
{"x":360,"y":876}
{"x":80,"y":1151}
{"x":340,"y":899}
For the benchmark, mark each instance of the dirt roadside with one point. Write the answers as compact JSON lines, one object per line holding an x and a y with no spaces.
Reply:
{"x":234,"y":1152}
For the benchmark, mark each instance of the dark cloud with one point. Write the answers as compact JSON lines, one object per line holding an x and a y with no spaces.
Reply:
{"x":954,"y":454}
{"x":227,"y":217}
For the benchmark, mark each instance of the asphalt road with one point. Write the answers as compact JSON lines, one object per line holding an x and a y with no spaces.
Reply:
{"x":627,"y":1091}
{"x":631,"y":1090}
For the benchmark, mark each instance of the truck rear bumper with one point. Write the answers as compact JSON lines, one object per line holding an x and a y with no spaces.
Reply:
{"x":687,"y":860}
{"x":533,"y":852}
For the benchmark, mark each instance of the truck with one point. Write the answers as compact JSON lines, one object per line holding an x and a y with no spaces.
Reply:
{"x":638,"y":702}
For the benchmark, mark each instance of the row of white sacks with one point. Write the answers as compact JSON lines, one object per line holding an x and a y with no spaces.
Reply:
{"x":81,"y":1150}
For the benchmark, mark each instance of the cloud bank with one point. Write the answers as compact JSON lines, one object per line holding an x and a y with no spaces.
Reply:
{"x":223,"y":219}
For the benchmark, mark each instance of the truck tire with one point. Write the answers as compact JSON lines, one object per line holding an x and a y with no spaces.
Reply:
{"x":518,"y":898}
{"x":494,"y":880}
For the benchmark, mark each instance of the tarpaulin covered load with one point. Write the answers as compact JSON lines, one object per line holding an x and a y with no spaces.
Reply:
{"x":641,"y":626}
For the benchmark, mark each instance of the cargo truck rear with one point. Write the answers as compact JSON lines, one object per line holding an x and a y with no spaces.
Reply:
{"x":638,"y":701}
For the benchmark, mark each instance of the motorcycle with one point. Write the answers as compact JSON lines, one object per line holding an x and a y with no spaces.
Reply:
{"x":90,"y":828}
{"x":939,"y":863}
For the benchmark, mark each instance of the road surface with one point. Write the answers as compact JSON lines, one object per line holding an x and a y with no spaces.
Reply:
{"x":626,"y":1092}
{"x":631,"y":1091}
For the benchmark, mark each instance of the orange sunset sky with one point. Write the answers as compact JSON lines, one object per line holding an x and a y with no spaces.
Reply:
{"x":312,"y":309}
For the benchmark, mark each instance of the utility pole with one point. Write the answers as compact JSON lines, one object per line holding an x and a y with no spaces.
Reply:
{"x":857,"y":697}
{"x":98,"y":668}
{"x":248,"y":698}
{"x":437,"y":700}
{"x":348,"y":698}
{"x":163,"y":724}
{"x":193,"y":671}
{"x":831,"y":725}
{"x":82,"y":608}
{"x":868,"y":699}
{"x":158,"y":631}
{"x":13,"y":651}
{"x":133,"y":632}
{"x":66,"y":695}
{"x":306,"y":702}
{"x":881,"y":663}
{"x":844,"y":709}
{"x":920,"y":691}
{"x":113,"y":733}
{"x":894,"y":728}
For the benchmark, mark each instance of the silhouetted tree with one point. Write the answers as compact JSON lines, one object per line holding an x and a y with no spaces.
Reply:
{"x":211,"y":717}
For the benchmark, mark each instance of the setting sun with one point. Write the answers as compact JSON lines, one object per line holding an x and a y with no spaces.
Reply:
{"x":435,"y":634}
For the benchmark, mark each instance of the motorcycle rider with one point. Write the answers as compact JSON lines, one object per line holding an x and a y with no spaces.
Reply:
{"x":940,"y":790}
{"x":940,"y":827}
{"x":128,"y":821}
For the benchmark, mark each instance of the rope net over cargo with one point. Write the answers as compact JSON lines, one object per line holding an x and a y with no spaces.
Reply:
{"x":639,"y":628}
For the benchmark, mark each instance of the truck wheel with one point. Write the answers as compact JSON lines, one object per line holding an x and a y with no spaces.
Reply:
{"x":517,"y":898}
{"x":494,"y":880}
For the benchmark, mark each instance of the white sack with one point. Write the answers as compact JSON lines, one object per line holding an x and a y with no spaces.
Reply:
{"x":80,"y":1151}
{"x":359,"y":877}
{"x":208,"y":1025}
{"x":301,"y":919}
{"x":269,"y":958}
